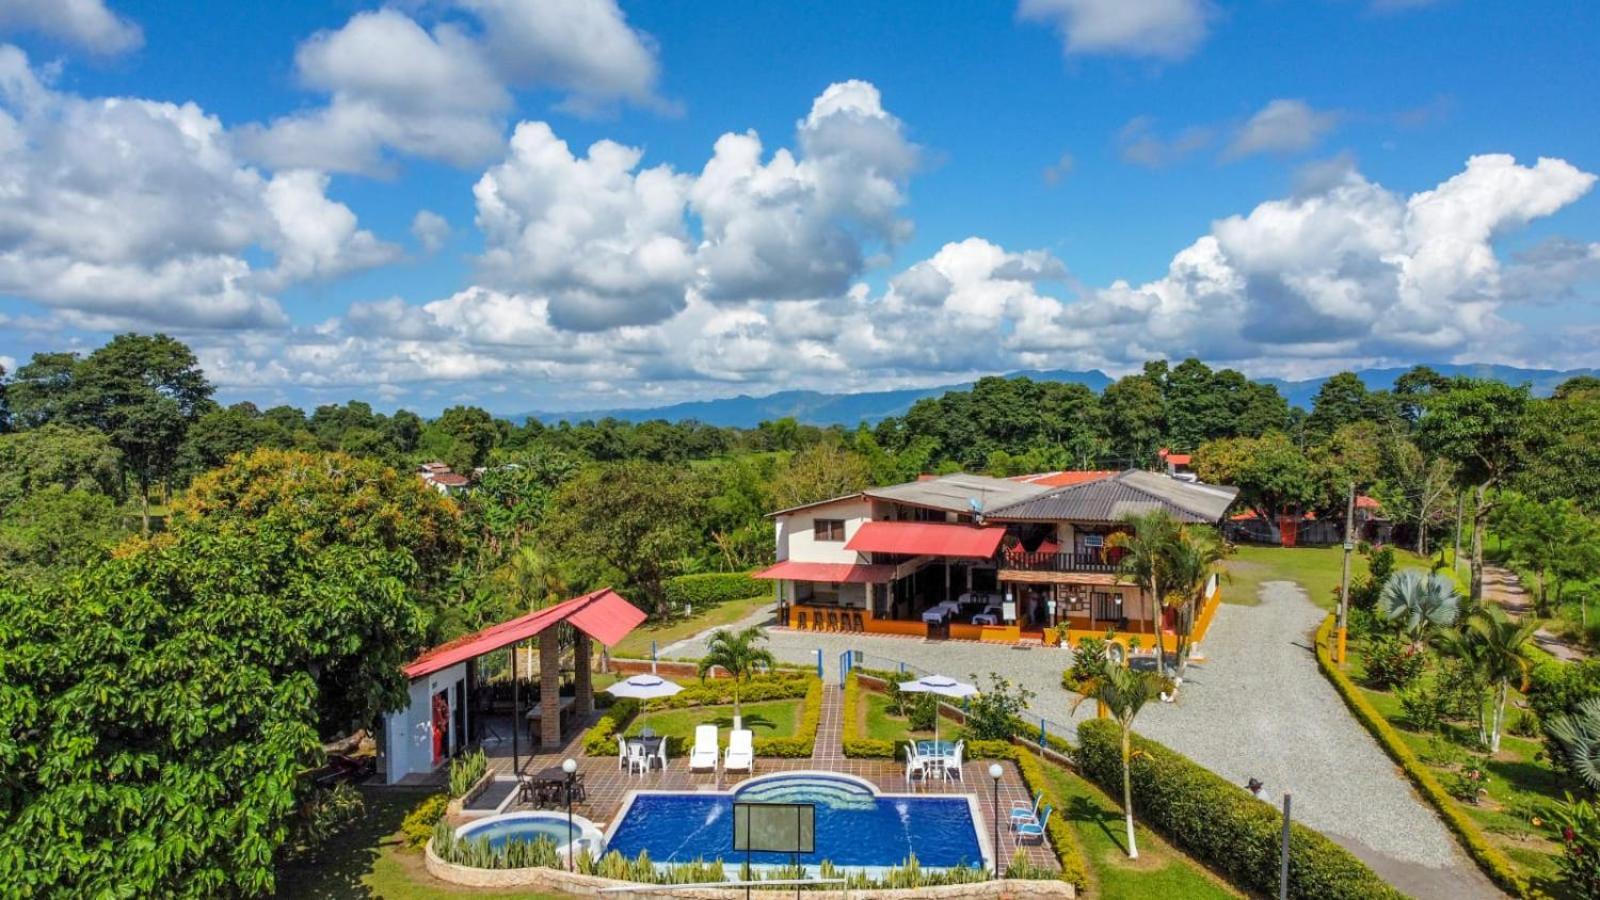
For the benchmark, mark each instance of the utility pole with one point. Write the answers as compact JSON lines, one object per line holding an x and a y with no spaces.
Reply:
{"x":1455,"y":556}
{"x":1344,"y":579}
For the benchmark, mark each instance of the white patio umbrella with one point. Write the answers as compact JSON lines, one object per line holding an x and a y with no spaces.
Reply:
{"x":941,"y":685}
{"x":643,"y":687}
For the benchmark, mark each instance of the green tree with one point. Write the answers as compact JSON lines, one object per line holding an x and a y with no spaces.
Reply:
{"x":222,"y":432}
{"x":1502,"y":643}
{"x":42,"y":390}
{"x":54,"y":530}
{"x":739,"y":654}
{"x":1123,"y":692}
{"x":1561,"y":444}
{"x":633,"y":522}
{"x":1477,"y":425}
{"x":143,"y":392}
{"x":462,"y":436}
{"x":1192,"y":559}
{"x":1413,"y":487}
{"x":170,"y":697}
{"x":1147,"y":549}
{"x":74,"y":459}
{"x":1274,"y":477}
{"x":1135,"y":416}
{"x":819,"y":472}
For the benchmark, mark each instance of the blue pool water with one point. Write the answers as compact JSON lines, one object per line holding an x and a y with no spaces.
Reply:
{"x":499,"y":830}
{"x":855,"y":827}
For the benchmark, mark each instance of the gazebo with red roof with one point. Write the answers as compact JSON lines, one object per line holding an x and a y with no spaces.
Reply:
{"x":432,"y":728}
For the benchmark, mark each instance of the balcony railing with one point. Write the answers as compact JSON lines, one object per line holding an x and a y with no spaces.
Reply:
{"x":1088,"y":561}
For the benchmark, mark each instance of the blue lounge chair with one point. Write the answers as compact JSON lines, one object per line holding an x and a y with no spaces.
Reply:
{"x":1022,"y":812}
{"x":1034,"y":832}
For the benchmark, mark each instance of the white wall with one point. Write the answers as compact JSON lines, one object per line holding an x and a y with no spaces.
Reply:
{"x":796,"y":539}
{"x":408,"y":733}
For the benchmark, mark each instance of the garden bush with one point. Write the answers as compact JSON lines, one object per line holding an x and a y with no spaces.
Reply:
{"x":1088,"y":661}
{"x":1220,"y":823}
{"x":1556,"y":687}
{"x":1577,"y":823}
{"x":1422,"y":706}
{"x":994,"y":713}
{"x":417,"y":827}
{"x":601,"y":738}
{"x":465,"y":772}
{"x":711,"y":588}
{"x":326,"y":813}
{"x":1392,"y":663}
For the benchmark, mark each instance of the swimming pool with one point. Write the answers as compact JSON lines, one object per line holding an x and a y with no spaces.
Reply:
{"x":530,"y":826}
{"x":856,"y":827}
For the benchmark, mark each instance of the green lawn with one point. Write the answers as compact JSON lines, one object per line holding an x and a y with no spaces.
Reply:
{"x":1317,"y":569}
{"x":771,"y":719}
{"x":637,"y":644}
{"x":883,"y":725}
{"x":370,"y":860}
{"x":1159,"y":872}
{"x":1520,"y":784}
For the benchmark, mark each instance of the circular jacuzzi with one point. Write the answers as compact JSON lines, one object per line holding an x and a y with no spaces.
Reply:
{"x":530,"y":826}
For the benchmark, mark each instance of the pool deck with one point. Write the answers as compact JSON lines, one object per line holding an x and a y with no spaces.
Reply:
{"x":607,"y":784}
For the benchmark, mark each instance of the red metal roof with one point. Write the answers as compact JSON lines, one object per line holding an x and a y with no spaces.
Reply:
{"x":602,"y":615}
{"x":926,"y":539}
{"x":1066,"y":478}
{"x":836,"y":573}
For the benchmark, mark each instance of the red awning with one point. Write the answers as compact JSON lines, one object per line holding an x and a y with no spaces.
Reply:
{"x":927,"y":539}
{"x":835,"y":573}
{"x":602,"y":615}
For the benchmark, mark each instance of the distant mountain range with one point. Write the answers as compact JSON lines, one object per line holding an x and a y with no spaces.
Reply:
{"x":817,"y":408}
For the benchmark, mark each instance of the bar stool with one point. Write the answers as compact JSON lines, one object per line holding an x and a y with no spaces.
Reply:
{"x":858,"y":623}
{"x":833,"y":620}
{"x":800,"y":620}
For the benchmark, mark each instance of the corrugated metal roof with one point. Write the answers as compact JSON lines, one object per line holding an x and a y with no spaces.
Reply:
{"x":926,"y":539}
{"x":837,"y":573}
{"x":954,"y":493}
{"x":1132,"y":492}
{"x":602,"y":615}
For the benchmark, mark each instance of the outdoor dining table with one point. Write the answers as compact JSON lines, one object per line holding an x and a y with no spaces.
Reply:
{"x":941,"y":749}
{"x":548,"y":785}
{"x":651,"y":745}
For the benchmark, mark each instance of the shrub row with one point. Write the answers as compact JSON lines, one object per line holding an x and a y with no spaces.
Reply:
{"x":711,"y":588}
{"x":601,"y":738}
{"x":1220,"y":823}
{"x":1062,"y":839}
{"x":782,"y":684}
{"x":1491,"y":859}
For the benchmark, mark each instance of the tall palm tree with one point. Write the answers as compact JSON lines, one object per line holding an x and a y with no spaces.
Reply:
{"x":736,"y":652}
{"x":1191,"y":558}
{"x":1123,"y":691}
{"x":1146,"y":548}
{"x":1501,"y":642}
{"x":1419,"y":604}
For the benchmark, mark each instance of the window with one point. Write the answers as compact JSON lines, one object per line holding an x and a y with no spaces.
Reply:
{"x":828,"y":529}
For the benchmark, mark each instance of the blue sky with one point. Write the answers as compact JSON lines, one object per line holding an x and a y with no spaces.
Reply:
{"x":326,"y":200}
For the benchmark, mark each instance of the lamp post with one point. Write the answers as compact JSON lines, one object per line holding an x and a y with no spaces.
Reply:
{"x":995,"y":772}
{"x":569,"y":766}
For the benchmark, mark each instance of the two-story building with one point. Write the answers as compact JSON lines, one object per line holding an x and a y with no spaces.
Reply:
{"x":977,"y":558}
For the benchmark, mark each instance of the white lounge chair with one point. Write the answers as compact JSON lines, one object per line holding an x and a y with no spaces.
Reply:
{"x":741,"y":752}
{"x":703,"y":757}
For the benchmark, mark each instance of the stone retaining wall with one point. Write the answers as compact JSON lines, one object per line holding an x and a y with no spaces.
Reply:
{"x":541,"y":879}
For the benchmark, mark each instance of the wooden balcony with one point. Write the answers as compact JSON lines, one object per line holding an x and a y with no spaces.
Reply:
{"x":1059,"y":562}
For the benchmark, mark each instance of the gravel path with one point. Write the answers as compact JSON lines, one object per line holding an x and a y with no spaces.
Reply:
{"x":1258,"y":707}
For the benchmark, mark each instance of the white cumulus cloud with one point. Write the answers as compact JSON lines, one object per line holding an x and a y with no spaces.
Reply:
{"x":1282,"y":126}
{"x":86,"y":23}
{"x":1165,"y":29}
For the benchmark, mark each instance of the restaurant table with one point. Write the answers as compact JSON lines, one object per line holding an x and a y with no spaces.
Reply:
{"x":936,"y":748}
{"x":651,"y":745}
{"x":549,"y":785}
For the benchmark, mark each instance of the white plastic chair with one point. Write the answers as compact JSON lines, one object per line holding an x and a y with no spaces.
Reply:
{"x":661,"y":754}
{"x":741,"y":752}
{"x":637,"y":760}
{"x":622,"y":752}
{"x":704,"y":755}
{"x":952,"y":765}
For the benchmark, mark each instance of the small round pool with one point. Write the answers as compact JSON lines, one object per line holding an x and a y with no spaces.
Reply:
{"x":530,"y":826}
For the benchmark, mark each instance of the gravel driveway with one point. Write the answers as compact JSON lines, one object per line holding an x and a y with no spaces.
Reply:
{"x":1257,"y":708}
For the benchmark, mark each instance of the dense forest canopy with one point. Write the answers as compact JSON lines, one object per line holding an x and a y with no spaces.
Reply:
{"x":251,"y":578}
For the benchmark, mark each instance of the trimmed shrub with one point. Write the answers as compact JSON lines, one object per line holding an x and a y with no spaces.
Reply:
{"x":1392,"y":663}
{"x":777,"y":685}
{"x":601,"y":738}
{"x":1220,"y":823}
{"x":855,"y":746}
{"x":711,"y":588}
{"x":418,"y":824}
{"x":1489,"y":858}
{"x":805,"y":738}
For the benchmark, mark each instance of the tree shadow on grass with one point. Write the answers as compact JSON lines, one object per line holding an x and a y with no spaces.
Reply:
{"x":1086,"y":811}
{"x":336,"y":869}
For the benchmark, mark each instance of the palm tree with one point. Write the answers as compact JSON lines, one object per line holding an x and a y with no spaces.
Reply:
{"x":1419,"y":604}
{"x":1146,"y":548}
{"x":1191,"y":558}
{"x":737,"y":653}
{"x":1500,"y":642}
{"x":1124,"y":692}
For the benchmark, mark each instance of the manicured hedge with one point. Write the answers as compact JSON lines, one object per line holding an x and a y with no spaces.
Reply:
{"x":601,"y":738}
{"x":1062,"y":839}
{"x":1489,"y":858}
{"x":711,"y":588}
{"x":1220,"y":823}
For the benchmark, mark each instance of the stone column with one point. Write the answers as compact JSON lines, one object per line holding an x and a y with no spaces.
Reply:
{"x":549,"y":689}
{"x":584,"y":695}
